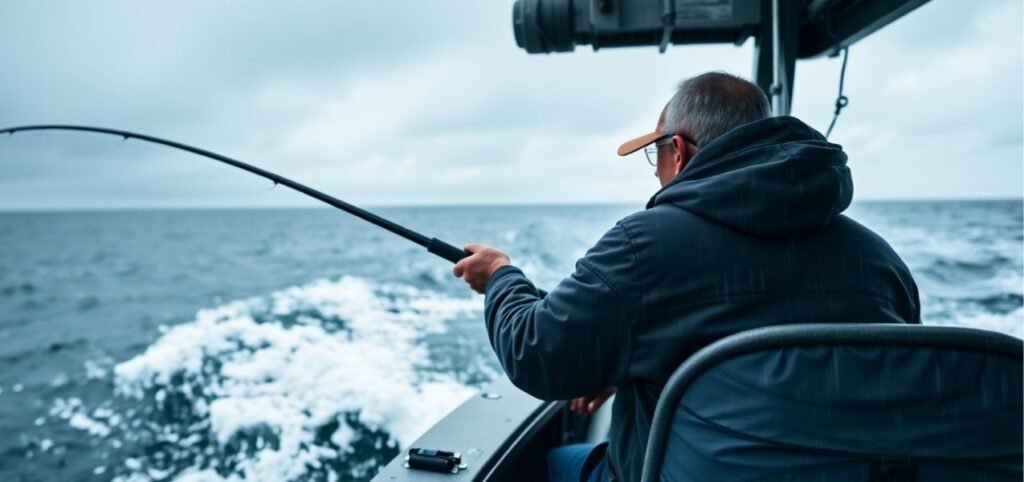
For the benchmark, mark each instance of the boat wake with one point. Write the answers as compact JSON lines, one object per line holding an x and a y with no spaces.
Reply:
{"x":320,"y":382}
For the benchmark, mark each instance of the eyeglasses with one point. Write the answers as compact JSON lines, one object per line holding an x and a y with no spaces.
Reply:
{"x":651,"y":151}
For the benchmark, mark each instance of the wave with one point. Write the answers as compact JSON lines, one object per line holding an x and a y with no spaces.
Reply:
{"x":1011,"y":323}
{"x":313,"y":381}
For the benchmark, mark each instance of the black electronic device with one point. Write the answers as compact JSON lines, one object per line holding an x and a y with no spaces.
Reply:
{"x":434,"y":460}
{"x":783,"y":30}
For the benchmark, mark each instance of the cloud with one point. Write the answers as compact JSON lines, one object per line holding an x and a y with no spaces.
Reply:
{"x":383,"y":103}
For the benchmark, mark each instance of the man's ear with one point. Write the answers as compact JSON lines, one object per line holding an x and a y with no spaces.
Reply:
{"x":682,"y":154}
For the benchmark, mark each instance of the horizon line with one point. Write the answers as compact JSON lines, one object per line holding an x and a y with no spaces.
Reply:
{"x":438,"y":205}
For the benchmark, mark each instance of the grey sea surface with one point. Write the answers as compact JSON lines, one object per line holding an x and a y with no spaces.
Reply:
{"x":303,"y":344}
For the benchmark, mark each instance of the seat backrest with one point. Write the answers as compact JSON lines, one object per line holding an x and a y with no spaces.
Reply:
{"x":864,"y":403}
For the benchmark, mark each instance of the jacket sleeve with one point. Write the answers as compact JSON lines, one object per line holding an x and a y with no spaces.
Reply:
{"x":577,"y":340}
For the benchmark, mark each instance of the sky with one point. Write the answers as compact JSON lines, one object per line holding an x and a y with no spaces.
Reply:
{"x":414,"y":103}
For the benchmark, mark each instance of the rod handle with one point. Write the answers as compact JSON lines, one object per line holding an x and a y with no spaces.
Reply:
{"x":445,"y":250}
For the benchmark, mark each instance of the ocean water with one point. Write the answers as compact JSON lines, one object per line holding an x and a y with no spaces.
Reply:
{"x":280,"y":345}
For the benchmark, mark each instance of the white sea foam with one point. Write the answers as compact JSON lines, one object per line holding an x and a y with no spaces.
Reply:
{"x":1010,"y":323}
{"x":94,"y":370}
{"x":355,"y":354}
{"x":951,"y":312}
{"x":65,"y":408}
{"x":83,"y":422}
{"x":205,"y":476}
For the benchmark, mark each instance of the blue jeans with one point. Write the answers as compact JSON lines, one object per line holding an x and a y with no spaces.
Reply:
{"x":565,"y":464}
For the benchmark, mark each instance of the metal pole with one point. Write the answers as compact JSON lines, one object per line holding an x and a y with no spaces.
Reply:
{"x":776,"y":61}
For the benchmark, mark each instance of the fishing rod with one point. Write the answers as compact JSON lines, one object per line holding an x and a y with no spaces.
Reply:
{"x":433,"y":245}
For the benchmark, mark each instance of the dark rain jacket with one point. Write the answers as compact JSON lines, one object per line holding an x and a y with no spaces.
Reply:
{"x":749,"y":234}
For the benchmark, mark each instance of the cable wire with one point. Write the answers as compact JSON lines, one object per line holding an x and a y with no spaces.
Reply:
{"x":842,"y":100}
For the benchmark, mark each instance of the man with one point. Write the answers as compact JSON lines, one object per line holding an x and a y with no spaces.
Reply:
{"x":746,"y":231}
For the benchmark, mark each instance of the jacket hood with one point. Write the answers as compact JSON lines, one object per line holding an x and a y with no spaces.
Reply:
{"x":776,"y":177}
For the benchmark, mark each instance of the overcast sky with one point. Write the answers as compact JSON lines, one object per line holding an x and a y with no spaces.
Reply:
{"x":397,"y":102}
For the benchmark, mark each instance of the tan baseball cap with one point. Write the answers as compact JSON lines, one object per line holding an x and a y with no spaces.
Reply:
{"x":645,"y":140}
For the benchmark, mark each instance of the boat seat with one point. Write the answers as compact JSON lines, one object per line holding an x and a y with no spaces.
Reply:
{"x":864,"y":403}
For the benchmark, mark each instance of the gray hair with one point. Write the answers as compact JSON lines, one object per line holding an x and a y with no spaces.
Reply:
{"x":709,"y":105}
